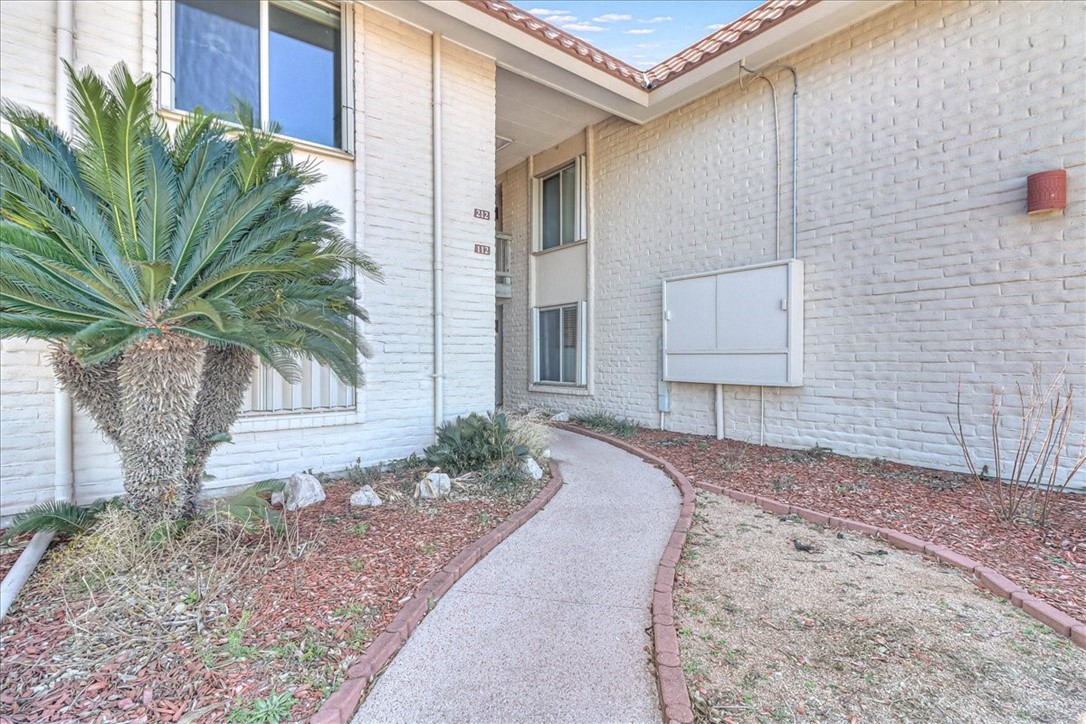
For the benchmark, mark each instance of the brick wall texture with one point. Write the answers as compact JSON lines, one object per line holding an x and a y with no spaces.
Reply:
{"x":393,"y":211}
{"x":917,"y":129}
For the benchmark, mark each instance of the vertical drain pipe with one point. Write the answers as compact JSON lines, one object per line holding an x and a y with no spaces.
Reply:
{"x":62,"y":399}
{"x":64,"y":486}
{"x":439,"y":262}
{"x":720,"y":412}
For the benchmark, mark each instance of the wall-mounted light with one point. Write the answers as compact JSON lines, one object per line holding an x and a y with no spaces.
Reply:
{"x":501,"y":142}
{"x":1046,"y":191}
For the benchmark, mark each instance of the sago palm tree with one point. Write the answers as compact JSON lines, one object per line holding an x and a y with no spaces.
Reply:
{"x":161,"y":264}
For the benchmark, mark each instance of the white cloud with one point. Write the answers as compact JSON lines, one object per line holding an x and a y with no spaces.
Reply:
{"x":657,"y":19}
{"x":639,"y":31}
{"x":714,"y":26}
{"x":562,"y":19}
{"x":612,"y":18}
{"x":544,"y":12}
{"x":582,"y":27}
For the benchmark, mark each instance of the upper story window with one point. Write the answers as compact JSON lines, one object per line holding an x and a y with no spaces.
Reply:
{"x":285,"y":58}
{"x":559,"y":200}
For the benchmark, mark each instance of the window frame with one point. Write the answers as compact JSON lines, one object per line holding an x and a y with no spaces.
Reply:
{"x":580,"y":217}
{"x":167,"y":72}
{"x":580,"y":377}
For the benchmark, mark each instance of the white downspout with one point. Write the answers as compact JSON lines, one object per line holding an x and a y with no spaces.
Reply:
{"x":439,"y":263}
{"x":720,"y":412}
{"x":62,"y":400}
{"x":64,"y":488}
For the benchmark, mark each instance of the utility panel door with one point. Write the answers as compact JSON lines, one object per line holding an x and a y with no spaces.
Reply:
{"x":739,"y":326}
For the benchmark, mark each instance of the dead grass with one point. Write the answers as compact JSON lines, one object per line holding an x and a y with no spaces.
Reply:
{"x":855,"y":631}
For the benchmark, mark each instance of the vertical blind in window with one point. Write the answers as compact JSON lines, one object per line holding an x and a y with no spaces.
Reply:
{"x":318,"y":389}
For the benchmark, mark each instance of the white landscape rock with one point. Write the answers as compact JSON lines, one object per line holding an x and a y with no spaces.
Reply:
{"x":531,"y":467}
{"x":561,"y":417}
{"x":301,"y":491}
{"x":435,"y":485}
{"x":365,"y":497}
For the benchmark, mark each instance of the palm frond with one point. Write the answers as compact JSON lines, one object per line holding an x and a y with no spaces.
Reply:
{"x":59,"y":516}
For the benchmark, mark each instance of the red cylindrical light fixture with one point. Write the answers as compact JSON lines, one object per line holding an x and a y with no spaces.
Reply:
{"x":1046,"y":191}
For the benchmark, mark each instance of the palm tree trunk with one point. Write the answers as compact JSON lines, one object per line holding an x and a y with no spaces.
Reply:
{"x":93,"y":388}
{"x":227,"y":374}
{"x":159,"y":378}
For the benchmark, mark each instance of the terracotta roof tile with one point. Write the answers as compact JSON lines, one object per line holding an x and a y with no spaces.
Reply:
{"x":720,"y":41}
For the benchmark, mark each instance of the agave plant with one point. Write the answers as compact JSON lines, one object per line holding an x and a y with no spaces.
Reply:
{"x":161,"y":265}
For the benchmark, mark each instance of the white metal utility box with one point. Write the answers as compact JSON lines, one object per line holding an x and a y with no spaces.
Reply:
{"x":741,"y":326}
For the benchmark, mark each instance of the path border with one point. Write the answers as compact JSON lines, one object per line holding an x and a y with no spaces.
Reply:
{"x":985,"y":577}
{"x":340,"y":707}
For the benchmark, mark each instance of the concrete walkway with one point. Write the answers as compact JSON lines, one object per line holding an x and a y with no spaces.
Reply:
{"x":551,"y":626}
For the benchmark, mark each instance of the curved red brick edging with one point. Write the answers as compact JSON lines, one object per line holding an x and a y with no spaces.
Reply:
{"x":987,"y":578}
{"x":674,"y":697}
{"x":340,"y":707}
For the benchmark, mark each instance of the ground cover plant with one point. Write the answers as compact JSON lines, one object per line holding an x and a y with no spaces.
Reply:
{"x":779,"y":620}
{"x":607,"y":423}
{"x":219,"y":624}
{"x":943,"y":507}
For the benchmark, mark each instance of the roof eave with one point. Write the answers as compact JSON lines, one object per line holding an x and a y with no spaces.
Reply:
{"x":782,"y":39}
{"x":528,"y":55}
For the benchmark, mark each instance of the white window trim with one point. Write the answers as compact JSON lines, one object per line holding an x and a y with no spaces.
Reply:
{"x":167,"y":75}
{"x":581,"y":375}
{"x":580,"y":217}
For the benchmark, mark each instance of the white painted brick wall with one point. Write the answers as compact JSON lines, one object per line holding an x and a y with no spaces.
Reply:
{"x":393,"y":211}
{"x":918,"y":128}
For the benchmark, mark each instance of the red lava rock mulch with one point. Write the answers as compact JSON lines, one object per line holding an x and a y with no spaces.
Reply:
{"x":945,"y":508}
{"x":295,"y":628}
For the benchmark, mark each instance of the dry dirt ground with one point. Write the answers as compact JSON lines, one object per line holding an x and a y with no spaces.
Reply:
{"x":854,"y":631}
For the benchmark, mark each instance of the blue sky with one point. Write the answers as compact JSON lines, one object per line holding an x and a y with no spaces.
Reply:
{"x":640,"y":32}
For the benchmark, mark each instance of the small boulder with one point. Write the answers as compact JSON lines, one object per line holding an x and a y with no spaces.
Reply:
{"x":561,"y":417}
{"x":547,"y":454}
{"x":365,"y":497}
{"x":300,"y":491}
{"x":531,"y":467}
{"x":435,"y":485}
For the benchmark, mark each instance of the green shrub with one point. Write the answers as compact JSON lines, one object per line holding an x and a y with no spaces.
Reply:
{"x":250,"y":507}
{"x":474,"y":442}
{"x":607,"y":423}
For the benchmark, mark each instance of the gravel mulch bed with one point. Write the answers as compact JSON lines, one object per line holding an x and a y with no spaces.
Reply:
{"x":943,"y":507}
{"x":780,"y":620}
{"x":281,"y":637}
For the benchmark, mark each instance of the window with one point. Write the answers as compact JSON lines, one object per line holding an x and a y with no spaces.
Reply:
{"x":318,"y":390}
{"x":559,"y":344}
{"x":559,"y":206}
{"x":284,"y":58}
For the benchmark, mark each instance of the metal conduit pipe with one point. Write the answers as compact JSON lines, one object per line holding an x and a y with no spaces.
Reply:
{"x":64,"y":488}
{"x":795,"y":140}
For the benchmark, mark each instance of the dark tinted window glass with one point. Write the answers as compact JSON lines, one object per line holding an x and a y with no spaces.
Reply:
{"x":550,"y":345}
{"x":552,"y":212}
{"x":304,"y":63}
{"x":217,"y":47}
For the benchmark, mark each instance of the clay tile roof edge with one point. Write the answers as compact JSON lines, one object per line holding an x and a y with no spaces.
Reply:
{"x":719,"y":41}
